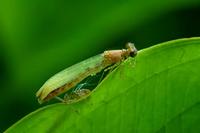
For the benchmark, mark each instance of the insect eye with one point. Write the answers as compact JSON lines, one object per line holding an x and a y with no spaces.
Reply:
{"x":131,"y":48}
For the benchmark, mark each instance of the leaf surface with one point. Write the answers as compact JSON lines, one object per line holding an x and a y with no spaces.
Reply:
{"x":156,"y":92}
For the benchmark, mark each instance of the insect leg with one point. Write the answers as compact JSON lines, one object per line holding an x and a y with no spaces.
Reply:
{"x":111,"y":68}
{"x":80,"y":86}
{"x":60,"y":99}
{"x":77,"y":96}
{"x":101,"y":78}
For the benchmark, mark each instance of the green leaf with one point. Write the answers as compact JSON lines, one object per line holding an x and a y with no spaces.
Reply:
{"x":158,"y":91}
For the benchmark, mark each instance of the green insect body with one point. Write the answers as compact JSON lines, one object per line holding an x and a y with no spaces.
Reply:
{"x":70,"y":77}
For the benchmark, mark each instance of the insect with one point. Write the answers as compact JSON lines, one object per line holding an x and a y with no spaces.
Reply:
{"x":71,"y":76}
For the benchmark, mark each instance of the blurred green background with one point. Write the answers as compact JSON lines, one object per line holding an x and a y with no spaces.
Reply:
{"x":39,"y":38}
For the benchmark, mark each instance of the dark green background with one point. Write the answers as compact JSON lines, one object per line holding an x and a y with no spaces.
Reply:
{"x":39,"y":38}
